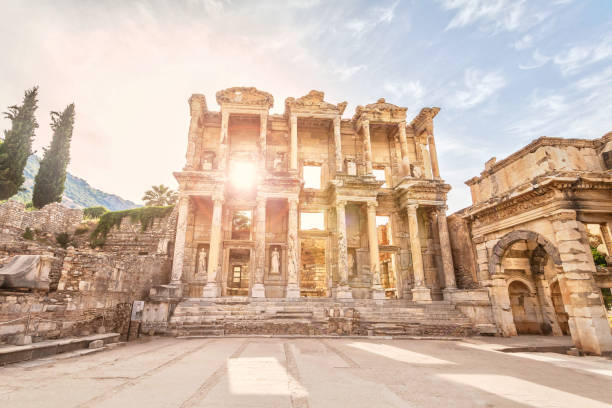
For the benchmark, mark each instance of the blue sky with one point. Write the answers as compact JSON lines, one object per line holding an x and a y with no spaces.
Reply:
{"x":503,"y":71}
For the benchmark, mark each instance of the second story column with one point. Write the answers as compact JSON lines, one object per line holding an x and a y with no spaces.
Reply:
{"x":338,"y":143}
{"x":212,"y":288}
{"x":293,"y":163}
{"x":197,"y":105}
{"x":258,"y":289}
{"x":377,"y":290}
{"x":420,"y":293}
{"x":404,"y":148}
{"x":447,"y":255}
{"x":367,"y":146}
{"x":433,"y":156}
{"x":223,"y":141}
{"x":263,"y":130}
{"x":343,"y":291}
{"x":179,"y":242}
{"x":293,"y":283}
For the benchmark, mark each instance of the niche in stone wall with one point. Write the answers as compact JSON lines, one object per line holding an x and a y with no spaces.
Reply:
{"x":313,"y":268}
{"x":201,"y":261}
{"x":241,"y":224}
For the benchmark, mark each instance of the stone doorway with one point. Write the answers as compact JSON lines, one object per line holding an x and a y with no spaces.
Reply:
{"x":238,"y":273}
{"x":557,"y":300}
{"x":525,"y":308}
{"x":313,"y":268}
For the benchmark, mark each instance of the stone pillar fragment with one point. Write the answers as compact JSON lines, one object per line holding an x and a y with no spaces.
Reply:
{"x":447,"y":254}
{"x":404,"y":148}
{"x":343,"y":291}
{"x":549,"y":315}
{"x":420,"y":293}
{"x":377,"y":289}
{"x":197,"y":106}
{"x":258,"y":289}
{"x":293,"y":284}
{"x":587,"y":315}
{"x":338,"y":144}
{"x":367,"y":146}
{"x":293,"y":162}
{"x":500,"y":305}
{"x":223,"y":141}
{"x":179,"y":242}
{"x":212,"y":288}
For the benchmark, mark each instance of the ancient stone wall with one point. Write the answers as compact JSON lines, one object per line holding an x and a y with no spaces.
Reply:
{"x":53,"y":218}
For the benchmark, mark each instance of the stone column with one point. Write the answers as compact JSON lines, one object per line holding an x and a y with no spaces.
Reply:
{"x":404,"y":148}
{"x":367,"y":146}
{"x":588,"y":320}
{"x":433,"y":156}
{"x":258,"y":290}
{"x":338,"y":143}
{"x":343,"y":291}
{"x":179,"y":242}
{"x":500,"y":305}
{"x":212,"y":288}
{"x":377,"y":289}
{"x":223,"y":141}
{"x":293,"y":283}
{"x":293,"y":163}
{"x":263,"y":131}
{"x":606,"y":233}
{"x":420,"y":293}
{"x":548,"y":308}
{"x":197,"y":105}
{"x":447,"y":254}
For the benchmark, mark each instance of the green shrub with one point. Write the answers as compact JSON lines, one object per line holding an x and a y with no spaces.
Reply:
{"x":63,"y":239}
{"x":598,"y":257}
{"x":146,"y":216}
{"x":94,"y":212}
{"x":28,"y":234}
{"x":81,"y":230}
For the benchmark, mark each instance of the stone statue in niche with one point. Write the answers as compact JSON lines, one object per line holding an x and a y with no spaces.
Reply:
{"x":279,"y":161}
{"x":202,"y":258}
{"x":417,"y":172}
{"x":351,"y":168}
{"x":275,"y":261}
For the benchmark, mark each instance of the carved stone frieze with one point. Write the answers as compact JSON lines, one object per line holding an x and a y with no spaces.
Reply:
{"x":245,"y":96}
{"x":313,"y":102}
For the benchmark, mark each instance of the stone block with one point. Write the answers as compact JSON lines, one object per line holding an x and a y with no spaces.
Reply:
{"x":96,"y":344}
{"x":22,"y":340}
{"x":568,"y":235}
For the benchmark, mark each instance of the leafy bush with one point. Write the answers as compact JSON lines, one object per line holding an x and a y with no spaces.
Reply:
{"x":598,"y":257}
{"x":81,"y":229}
{"x":146,"y":216}
{"x":94,"y":212}
{"x":63,"y":239}
{"x":28,"y":234}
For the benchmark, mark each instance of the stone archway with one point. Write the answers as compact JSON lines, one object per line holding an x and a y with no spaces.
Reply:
{"x":520,"y":235}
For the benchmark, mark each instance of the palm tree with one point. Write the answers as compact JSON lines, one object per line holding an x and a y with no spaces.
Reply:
{"x":159,"y":196}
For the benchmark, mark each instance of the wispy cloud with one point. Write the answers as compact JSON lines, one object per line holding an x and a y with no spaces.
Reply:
{"x":524,"y":42}
{"x":580,"y":56}
{"x":370,"y":19}
{"x":538,"y":61}
{"x":345,"y":72}
{"x":411,"y":89}
{"x":477,"y":88}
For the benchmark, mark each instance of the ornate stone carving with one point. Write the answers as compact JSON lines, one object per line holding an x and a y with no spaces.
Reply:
{"x":380,"y":111}
{"x":245,"y":96}
{"x":313,"y":102}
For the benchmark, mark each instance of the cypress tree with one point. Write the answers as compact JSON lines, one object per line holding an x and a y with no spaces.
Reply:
{"x":49,"y":182}
{"x":17,"y":144}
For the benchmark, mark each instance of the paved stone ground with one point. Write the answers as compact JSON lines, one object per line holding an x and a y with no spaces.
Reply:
{"x":265,"y":372}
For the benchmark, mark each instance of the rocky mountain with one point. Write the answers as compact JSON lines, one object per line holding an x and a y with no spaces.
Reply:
{"x":77,"y":193}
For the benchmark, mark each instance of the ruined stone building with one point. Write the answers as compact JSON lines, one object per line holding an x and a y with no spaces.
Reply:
{"x":307,"y":204}
{"x":526,"y":239}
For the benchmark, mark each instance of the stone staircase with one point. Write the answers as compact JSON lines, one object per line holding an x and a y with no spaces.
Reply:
{"x":316,"y":317}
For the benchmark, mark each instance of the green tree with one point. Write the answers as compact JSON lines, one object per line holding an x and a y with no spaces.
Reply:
{"x":49,"y":182}
{"x":159,"y":196}
{"x":17,"y":145}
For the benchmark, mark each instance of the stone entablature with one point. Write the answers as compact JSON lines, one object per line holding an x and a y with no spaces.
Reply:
{"x":542,"y":157}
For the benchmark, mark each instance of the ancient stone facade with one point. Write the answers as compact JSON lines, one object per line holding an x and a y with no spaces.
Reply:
{"x":53,"y":218}
{"x":307,"y":204}
{"x":525,"y":239}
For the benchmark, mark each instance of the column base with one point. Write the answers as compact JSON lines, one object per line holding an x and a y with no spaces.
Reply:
{"x":211,"y":290}
{"x":448,"y":293}
{"x":293,"y":291}
{"x":421,"y":295}
{"x":343,"y":292}
{"x":378,"y":293}
{"x":164,"y":292}
{"x":258,"y":291}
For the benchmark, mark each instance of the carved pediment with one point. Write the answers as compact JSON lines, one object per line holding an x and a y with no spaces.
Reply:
{"x":380,"y":111}
{"x":313,"y":102}
{"x":424,"y":119}
{"x":245,"y":96}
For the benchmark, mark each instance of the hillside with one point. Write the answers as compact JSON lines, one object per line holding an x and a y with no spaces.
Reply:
{"x":77,"y":193}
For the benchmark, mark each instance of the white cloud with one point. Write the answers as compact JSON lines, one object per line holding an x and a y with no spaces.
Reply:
{"x":539,"y":60}
{"x":371,"y":19}
{"x":524,"y":42}
{"x":479,"y":86}
{"x":599,"y":79}
{"x":411,"y":89}
{"x":579,"y":56}
{"x":345,"y":72}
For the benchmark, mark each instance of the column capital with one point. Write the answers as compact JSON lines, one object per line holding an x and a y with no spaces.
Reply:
{"x":372,"y":204}
{"x":401,"y":125}
{"x":442,"y":209}
{"x":293,"y":200}
{"x":412,"y":207}
{"x":218,"y":198}
{"x":365,"y":123}
{"x":341,"y":203}
{"x":261,"y":200}
{"x":293,"y":117}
